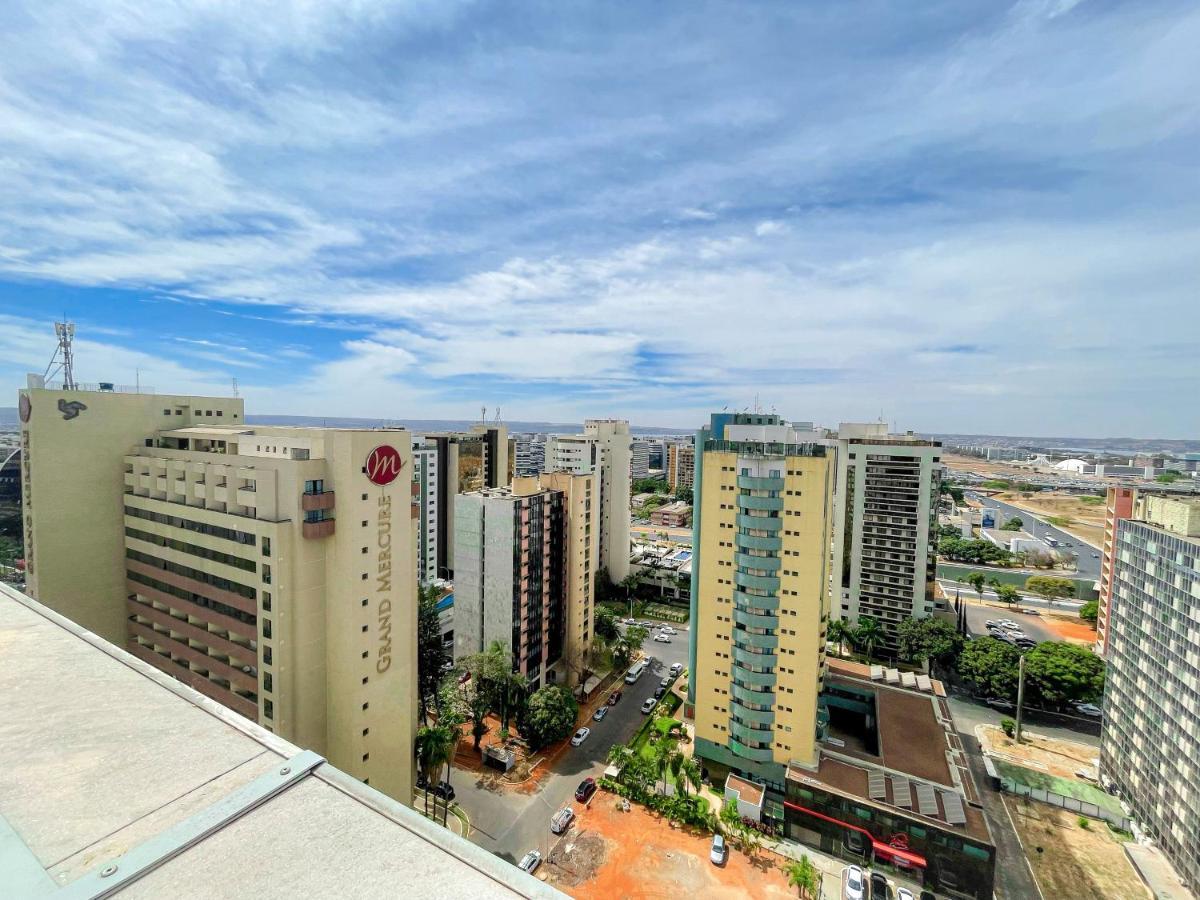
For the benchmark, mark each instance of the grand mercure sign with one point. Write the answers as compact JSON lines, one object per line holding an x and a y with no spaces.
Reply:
{"x":383,"y":465}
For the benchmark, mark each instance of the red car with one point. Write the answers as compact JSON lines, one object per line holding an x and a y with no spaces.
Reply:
{"x":586,"y":788}
{"x":614,"y":698}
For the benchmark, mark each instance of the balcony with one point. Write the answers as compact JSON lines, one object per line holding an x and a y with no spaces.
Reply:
{"x":315,"y":501}
{"x":748,"y":561}
{"x":750,"y":542}
{"x":753,"y":620}
{"x":760,"y":641}
{"x":767,"y":503}
{"x":748,"y":657}
{"x":752,"y":753}
{"x":751,"y":601}
{"x":755,"y":716}
{"x":756,"y":483}
{"x":745,"y":694}
{"x":759,"y":523}
{"x":320,"y":529}
{"x":761,"y":582}
{"x":758,"y":679}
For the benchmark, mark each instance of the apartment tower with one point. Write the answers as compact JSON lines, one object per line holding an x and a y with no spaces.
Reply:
{"x":604,"y":450}
{"x":885,"y":550}
{"x":1118,"y":505}
{"x":1150,"y":744}
{"x":213,"y":551}
{"x":760,"y":594}
{"x":681,"y":465}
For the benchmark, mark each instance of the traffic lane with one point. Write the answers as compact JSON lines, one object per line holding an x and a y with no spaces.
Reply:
{"x":1088,"y":561}
{"x":969,"y":712}
{"x":978,"y":617}
{"x":970,"y":595}
{"x":528,"y":825}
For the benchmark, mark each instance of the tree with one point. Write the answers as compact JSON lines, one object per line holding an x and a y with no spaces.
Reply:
{"x":1005,"y":592}
{"x":840,"y":632}
{"x":650,"y":486}
{"x":977,"y":581}
{"x":1016,"y":523}
{"x":867,"y":632}
{"x":549,"y":716}
{"x":1050,"y":588}
{"x":683,"y":494}
{"x":425,"y":763}
{"x":606,"y":625}
{"x":662,"y":759}
{"x":465,"y":702}
{"x":1058,"y":672}
{"x":1168,"y":477}
{"x":1089,"y":612}
{"x":689,"y":773}
{"x":991,"y":665}
{"x":431,"y":652}
{"x":936,"y":640}
{"x":621,"y":756}
{"x":803,"y":876}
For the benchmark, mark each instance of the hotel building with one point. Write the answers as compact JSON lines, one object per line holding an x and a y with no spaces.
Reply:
{"x":885,"y":534}
{"x":681,"y":465}
{"x":604,"y":450}
{"x":271,"y":569}
{"x":1150,"y":744}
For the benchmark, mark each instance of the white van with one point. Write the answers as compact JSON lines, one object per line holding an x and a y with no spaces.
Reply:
{"x":635,"y":672}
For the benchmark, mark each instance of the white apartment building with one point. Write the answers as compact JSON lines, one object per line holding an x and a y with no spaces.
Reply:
{"x":425,"y":476}
{"x":639,"y":460}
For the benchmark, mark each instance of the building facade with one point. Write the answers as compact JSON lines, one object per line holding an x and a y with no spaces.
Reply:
{"x":529,"y":454}
{"x":1150,"y":744}
{"x":759,"y":595}
{"x":639,"y":460}
{"x":511,"y":577}
{"x":885,"y":525}
{"x":604,"y":450}
{"x":1118,"y":505}
{"x":211,"y":550}
{"x":425,"y":479}
{"x":681,"y":466}
{"x":582,"y":510}
{"x":672,"y":515}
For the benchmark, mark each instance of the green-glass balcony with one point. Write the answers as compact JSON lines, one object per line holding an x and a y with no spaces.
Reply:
{"x":760,"y":582}
{"x":759,"y":523}
{"x":751,"y":542}
{"x":758,"y":679}
{"x":749,"y":658}
{"x":766,"y":563}
{"x":753,"y":601}
{"x":746,"y":733}
{"x":740,"y":692}
{"x":756,"y":716}
{"x":761,"y":641}
{"x":768,"y":503}
{"x":753,"y":620}
{"x":760,"y":483}
{"x":751,"y":753}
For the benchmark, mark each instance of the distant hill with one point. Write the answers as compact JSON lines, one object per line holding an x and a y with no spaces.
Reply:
{"x":420,"y":425}
{"x":1096,"y":444}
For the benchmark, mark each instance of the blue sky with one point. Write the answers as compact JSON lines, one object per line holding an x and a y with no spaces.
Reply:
{"x":969,"y":216}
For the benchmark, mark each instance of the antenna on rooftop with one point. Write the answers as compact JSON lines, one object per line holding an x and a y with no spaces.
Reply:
{"x":483,"y":415}
{"x":497,"y":419}
{"x":235,"y":393}
{"x":63,"y":359}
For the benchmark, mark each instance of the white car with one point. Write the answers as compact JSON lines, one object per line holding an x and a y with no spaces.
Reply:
{"x":667,"y":629}
{"x":676,"y":668}
{"x":562,"y":820}
{"x":856,"y":885}
{"x":1088,"y":709}
{"x":580,"y":736}
{"x":904,"y":894}
{"x":663,"y":638}
{"x":530,"y":861}
{"x":648,"y":705}
{"x":718,"y":851}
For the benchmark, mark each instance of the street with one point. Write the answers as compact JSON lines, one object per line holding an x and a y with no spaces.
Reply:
{"x":508,"y":821}
{"x":1088,"y":563}
{"x":968,"y":593}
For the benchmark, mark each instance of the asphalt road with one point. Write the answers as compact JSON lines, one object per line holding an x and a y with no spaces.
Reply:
{"x":968,"y":594}
{"x":1087,"y":565}
{"x":978,"y":616}
{"x":510,"y":823}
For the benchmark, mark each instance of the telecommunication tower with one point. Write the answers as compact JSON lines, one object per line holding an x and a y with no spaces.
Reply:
{"x":63,"y":359}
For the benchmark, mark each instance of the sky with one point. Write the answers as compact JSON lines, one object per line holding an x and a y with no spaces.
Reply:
{"x":961,"y":216}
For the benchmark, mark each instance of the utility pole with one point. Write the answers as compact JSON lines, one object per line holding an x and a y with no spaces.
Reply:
{"x":1020,"y":695}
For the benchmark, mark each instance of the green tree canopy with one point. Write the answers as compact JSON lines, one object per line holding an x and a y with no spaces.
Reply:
{"x":431,"y":652}
{"x":1057,"y":672}
{"x":1050,"y":588}
{"x":867,"y":633}
{"x":973,"y":550}
{"x":549,"y":716}
{"x":931,"y":639}
{"x":606,"y":625}
{"x":1006,"y":593}
{"x":650,"y":486}
{"x":990,"y":665}
{"x":684,"y":494}
{"x":1016,"y":523}
{"x":1090,"y":611}
{"x":803,"y":876}
{"x":976,"y":580}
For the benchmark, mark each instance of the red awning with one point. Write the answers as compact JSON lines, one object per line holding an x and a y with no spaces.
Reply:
{"x":879,"y":847}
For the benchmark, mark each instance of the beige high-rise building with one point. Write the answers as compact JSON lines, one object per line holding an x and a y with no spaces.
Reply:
{"x":271,"y":569}
{"x":760,"y":594}
{"x":603,"y":449}
{"x":681,"y":466}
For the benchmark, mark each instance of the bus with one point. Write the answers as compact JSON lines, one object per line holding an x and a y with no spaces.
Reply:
{"x":635,"y":672}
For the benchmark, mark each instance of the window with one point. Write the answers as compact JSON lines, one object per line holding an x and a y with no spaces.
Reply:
{"x":364,"y":628}
{"x":365,"y":705}
{"x":179,"y":412}
{"x":365,"y":654}
{"x":364,"y":679}
{"x":266,"y":601}
{"x":266,"y":574}
{"x":166,"y":412}
{"x":366,"y":731}
{"x":268,"y":709}
{"x":266,"y":628}
{"x":266,"y":656}
{"x":268,"y":683}
{"x":219,"y":413}
{"x":316,"y":486}
{"x":266,"y":546}
{"x":364,"y":602}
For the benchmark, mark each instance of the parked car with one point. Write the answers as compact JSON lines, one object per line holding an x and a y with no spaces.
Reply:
{"x":580,"y":736}
{"x":530,"y":861}
{"x":1010,"y":626}
{"x":1095,"y":556}
{"x":676,"y":669}
{"x":1089,"y":709}
{"x":1025,"y":643}
{"x":719,"y":851}
{"x":562,"y":820}
{"x":999,"y":703}
{"x":443,"y":789}
{"x":663,"y":638}
{"x":666,"y":629}
{"x":659,"y":691}
{"x":992,"y":623}
{"x":614,"y":698}
{"x":904,"y":894}
{"x":586,"y":788}
{"x":879,"y":886}
{"x":598,"y":715}
{"x":648,"y":705}
{"x":856,"y":887}
{"x":666,"y":681}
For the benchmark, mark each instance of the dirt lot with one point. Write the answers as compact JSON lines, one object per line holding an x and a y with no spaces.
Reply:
{"x":1086,"y":520}
{"x":638,"y":854}
{"x":1074,"y":862}
{"x":1049,"y":755}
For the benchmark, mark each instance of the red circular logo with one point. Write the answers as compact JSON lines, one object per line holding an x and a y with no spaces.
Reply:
{"x":384,"y":464}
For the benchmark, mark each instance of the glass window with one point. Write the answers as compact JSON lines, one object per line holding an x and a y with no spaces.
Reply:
{"x":268,"y":709}
{"x":267,"y":655}
{"x":266,"y":601}
{"x":266,"y":628}
{"x":266,"y":546}
{"x":268,"y":684}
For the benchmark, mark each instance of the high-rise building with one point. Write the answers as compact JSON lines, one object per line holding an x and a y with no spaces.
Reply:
{"x":681,"y":465}
{"x":1150,"y":744}
{"x":639,"y":460}
{"x":466,"y":461}
{"x":603,"y":449}
{"x":885,"y":525}
{"x":658,"y":455}
{"x":425,"y":477}
{"x":529,"y":454}
{"x":211,"y":550}
{"x":760,"y":593}
{"x":523,"y":575}
{"x":1118,"y":505}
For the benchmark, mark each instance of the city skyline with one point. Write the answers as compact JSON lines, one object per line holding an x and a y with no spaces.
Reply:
{"x":969,"y":218}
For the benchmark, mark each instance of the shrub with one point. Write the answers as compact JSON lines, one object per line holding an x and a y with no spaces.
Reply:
{"x":1084,"y":823}
{"x":1008,"y":726}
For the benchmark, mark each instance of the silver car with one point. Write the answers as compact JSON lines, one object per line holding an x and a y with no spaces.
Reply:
{"x":562,"y":820}
{"x":530,"y":861}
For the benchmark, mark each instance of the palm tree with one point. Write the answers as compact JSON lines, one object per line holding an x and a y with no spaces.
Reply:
{"x":662,"y":760}
{"x":630,"y":583}
{"x":689,"y":773}
{"x":620,"y":756}
{"x":425,"y":762}
{"x":435,"y":751}
{"x":803,"y":875}
{"x":840,"y":632}
{"x":675,"y":764}
{"x":445,"y":742}
{"x":867,"y":633}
